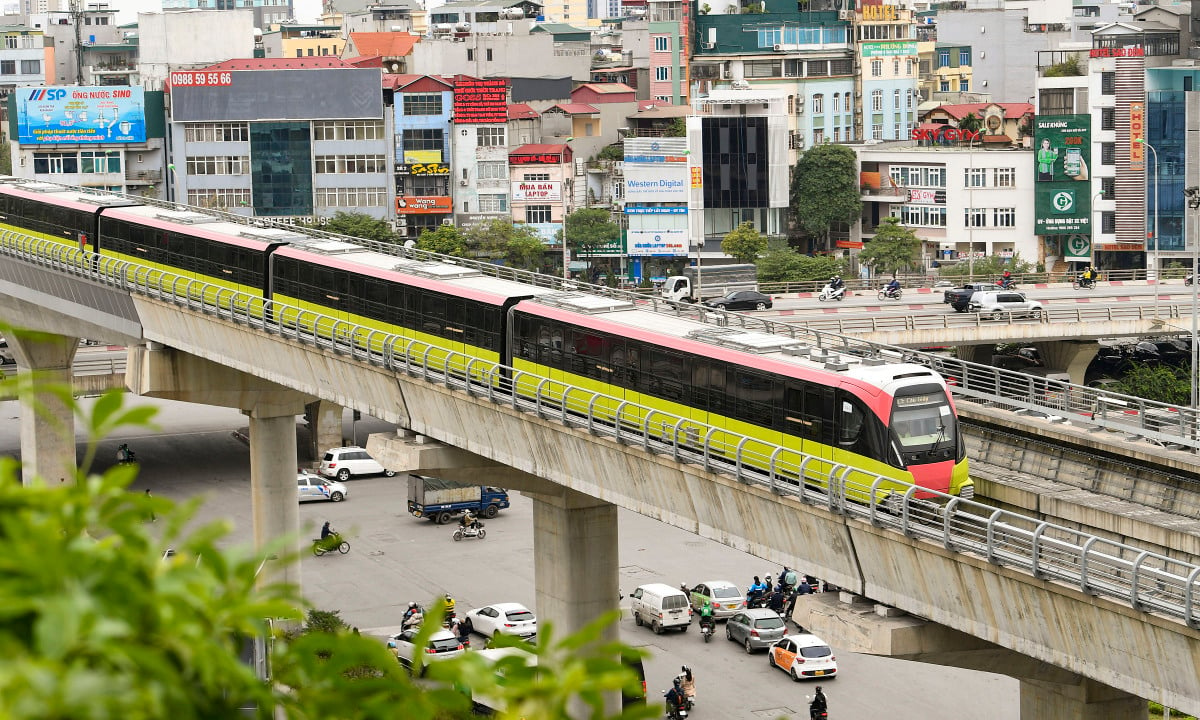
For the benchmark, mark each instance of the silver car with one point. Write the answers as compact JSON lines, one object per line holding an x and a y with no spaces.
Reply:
{"x":756,"y":629}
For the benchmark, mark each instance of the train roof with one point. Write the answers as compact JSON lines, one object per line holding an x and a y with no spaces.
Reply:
{"x":755,"y":349}
{"x":442,"y":276}
{"x":203,"y":225}
{"x":62,"y":195}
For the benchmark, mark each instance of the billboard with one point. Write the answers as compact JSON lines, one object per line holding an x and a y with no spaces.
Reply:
{"x":672,"y":242}
{"x":663,"y":182}
{"x":86,"y":114}
{"x":889,"y":49}
{"x":480,"y":102}
{"x":1062,"y":193}
{"x":277,"y":95}
{"x":532,"y":191}
{"x":425,"y":205}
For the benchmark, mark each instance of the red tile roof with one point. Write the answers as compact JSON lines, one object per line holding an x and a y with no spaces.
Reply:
{"x":399,"y":81}
{"x":539,"y":149}
{"x":385,"y":44}
{"x":958,"y":112}
{"x":364,"y":61}
{"x":521,"y":111}
{"x":607,"y":88}
{"x":303,"y":63}
{"x":573,"y":109}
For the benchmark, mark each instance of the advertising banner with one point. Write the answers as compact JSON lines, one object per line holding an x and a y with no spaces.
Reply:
{"x":53,"y":115}
{"x":889,"y":49}
{"x":666,"y":182}
{"x":481,"y":102}
{"x":423,"y":157}
{"x":530,"y":191}
{"x":1062,"y":194}
{"x":657,"y":242}
{"x":290,"y":94}
{"x":655,"y":210}
{"x":1137,"y":133}
{"x":432,"y":168}
{"x":429,"y":205}
{"x":1077,"y":247}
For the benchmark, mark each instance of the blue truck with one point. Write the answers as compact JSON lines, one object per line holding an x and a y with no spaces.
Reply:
{"x":440,"y":500}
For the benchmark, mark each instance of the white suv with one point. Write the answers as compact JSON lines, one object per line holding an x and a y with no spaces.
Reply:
{"x":346,"y":462}
{"x":999,"y":303}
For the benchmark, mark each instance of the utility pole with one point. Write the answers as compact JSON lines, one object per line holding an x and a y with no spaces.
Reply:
{"x":77,"y":11}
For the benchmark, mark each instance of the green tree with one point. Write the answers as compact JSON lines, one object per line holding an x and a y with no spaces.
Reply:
{"x":489,"y":240}
{"x":445,"y":240}
{"x":744,"y":243}
{"x":525,"y":249}
{"x":894,"y":248}
{"x":990,"y":265}
{"x":99,"y":624}
{"x":825,"y":190}
{"x":589,"y":230}
{"x":359,"y":225}
{"x":970,"y":123}
{"x":1161,"y":384}
{"x":779,"y":263}
{"x":1069,"y":67}
{"x":678,"y":128}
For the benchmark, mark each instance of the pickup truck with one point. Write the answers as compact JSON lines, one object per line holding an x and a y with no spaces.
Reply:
{"x":439,"y":500}
{"x":959,"y":298}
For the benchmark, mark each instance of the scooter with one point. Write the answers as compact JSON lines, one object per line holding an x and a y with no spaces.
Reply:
{"x":676,"y":712}
{"x":813,"y":713}
{"x":886,"y":294}
{"x":471,"y":531}
{"x":707,"y":628}
{"x":1007,"y":284}
{"x":1188,"y":280}
{"x":125,"y":455}
{"x":1080,"y":283}
{"x":828,"y":293}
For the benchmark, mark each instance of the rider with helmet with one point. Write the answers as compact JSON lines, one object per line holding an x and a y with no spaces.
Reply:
{"x":675,"y":699}
{"x":893,"y":287}
{"x":687,"y":684}
{"x":836,"y":283}
{"x":468,"y":520}
{"x":706,"y":615}
{"x":818,"y":704}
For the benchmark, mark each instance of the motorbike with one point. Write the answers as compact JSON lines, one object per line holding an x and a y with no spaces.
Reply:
{"x":125,"y":455}
{"x":828,"y":293}
{"x":1188,"y":280}
{"x":813,"y":713}
{"x":1007,"y":284}
{"x":471,"y":531}
{"x":707,"y":628}
{"x":329,"y":544}
{"x":1084,"y":284}
{"x":886,"y":294}
{"x":675,"y":712}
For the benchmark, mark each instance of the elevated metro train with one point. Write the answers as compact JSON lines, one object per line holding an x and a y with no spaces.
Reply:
{"x":891,"y":419}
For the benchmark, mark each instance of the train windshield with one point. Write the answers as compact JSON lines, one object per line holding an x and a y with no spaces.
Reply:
{"x":924,"y":421}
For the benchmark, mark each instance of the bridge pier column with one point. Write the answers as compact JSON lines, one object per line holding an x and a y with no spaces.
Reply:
{"x":575,"y":559}
{"x":273,"y":485}
{"x":1073,"y":356}
{"x":47,"y":423}
{"x":1083,"y":700}
{"x":325,"y":423}
{"x":981,"y":354}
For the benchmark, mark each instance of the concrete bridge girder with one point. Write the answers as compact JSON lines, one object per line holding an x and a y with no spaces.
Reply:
{"x":1001,"y":332}
{"x":1072,"y":356}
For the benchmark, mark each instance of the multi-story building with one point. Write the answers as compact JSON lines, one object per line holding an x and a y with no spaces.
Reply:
{"x":542,"y":186}
{"x":67,"y":45}
{"x":480,"y":145}
{"x":670,"y":30}
{"x":501,"y":54}
{"x":394,"y":49}
{"x":422,"y":106}
{"x":320,"y":153}
{"x":656,"y":190}
{"x":303,"y":41}
{"x":377,"y":15}
{"x":22,"y":58}
{"x":266,"y":12}
{"x":949,"y":71}
{"x":114,"y":62}
{"x":187,"y":41}
{"x":102,"y":137}
{"x":886,"y":86}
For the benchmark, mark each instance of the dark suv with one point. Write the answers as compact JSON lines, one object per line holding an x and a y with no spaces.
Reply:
{"x":959,"y":298}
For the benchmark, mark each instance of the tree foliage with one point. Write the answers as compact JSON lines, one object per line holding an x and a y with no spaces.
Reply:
{"x":990,"y":265}
{"x":971,"y":123}
{"x":359,"y":225}
{"x":782,"y":263}
{"x":99,"y":623}
{"x":744,"y":243}
{"x":525,"y":249}
{"x":590,"y":229}
{"x":445,"y":239}
{"x":825,"y":189}
{"x":1159,"y":383}
{"x":895,"y":248}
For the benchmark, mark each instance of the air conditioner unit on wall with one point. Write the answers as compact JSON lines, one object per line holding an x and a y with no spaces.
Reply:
{"x":707,"y":45}
{"x":462,"y":182}
{"x":845,"y":14}
{"x":778,"y":47}
{"x":447,"y":221}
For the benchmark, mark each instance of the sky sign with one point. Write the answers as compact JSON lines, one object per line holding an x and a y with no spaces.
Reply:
{"x":72,"y":115}
{"x":1062,"y":193}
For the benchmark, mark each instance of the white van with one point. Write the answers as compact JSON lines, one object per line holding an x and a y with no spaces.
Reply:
{"x":661,"y":606}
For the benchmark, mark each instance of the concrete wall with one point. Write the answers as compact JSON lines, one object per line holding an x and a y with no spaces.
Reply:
{"x":190,"y":40}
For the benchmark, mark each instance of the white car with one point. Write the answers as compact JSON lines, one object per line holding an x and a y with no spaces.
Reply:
{"x":442,"y":645}
{"x":314,"y":487}
{"x":345,"y":462}
{"x":502,"y":618}
{"x":803,"y":656}
{"x":1003,"y":303}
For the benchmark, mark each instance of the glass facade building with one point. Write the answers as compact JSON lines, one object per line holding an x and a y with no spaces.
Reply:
{"x":281,"y":168}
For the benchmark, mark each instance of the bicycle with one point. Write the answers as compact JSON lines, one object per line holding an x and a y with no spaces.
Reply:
{"x":329,"y":544}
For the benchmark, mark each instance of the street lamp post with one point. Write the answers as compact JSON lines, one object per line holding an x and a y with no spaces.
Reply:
{"x":971,"y":211}
{"x":566,"y":250}
{"x":1193,"y":203}
{"x":1154,"y":257}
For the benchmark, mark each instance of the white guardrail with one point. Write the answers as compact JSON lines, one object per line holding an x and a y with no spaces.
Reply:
{"x":1146,"y":581}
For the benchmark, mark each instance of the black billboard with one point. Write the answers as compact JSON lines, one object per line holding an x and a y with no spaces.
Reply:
{"x":316,"y":94}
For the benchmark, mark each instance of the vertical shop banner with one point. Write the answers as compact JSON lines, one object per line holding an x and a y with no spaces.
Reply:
{"x":1062,"y":194}
{"x":1137,"y":134}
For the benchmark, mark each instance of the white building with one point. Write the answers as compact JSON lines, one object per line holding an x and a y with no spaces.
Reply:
{"x":959,"y":200}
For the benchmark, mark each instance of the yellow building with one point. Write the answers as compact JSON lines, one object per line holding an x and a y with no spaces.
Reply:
{"x":292,"y":41}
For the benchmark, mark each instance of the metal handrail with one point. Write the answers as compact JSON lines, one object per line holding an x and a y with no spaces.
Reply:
{"x":1147,"y":582}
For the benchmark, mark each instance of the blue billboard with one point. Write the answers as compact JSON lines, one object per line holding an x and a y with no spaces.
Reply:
{"x":89,"y":114}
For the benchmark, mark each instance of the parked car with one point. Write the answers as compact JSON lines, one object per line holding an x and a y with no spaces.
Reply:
{"x":726,"y":598}
{"x":755,"y":629}
{"x":959,"y":297}
{"x":314,"y":487}
{"x":1004,"y":303}
{"x":501,"y":619}
{"x":741,"y":300}
{"x":442,"y":645}
{"x":345,"y":462}
{"x":660,"y":606}
{"x":803,"y":656}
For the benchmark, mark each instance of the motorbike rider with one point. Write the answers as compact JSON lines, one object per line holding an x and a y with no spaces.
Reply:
{"x":788,"y":579}
{"x":893,"y":287}
{"x":676,"y":700}
{"x":1088,"y":276}
{"x":1006,"y":279}
{"x":706,"y":616}
{"x":687,"y":684}
{"x":818,"y":704}
{"x":413,"y":611}
{"x":124,"y":454}
{"x":836,"y":283}
{"x":755,"y":592}
{"x":468,"y":520}
{"x":326,"y":531}
{"x":449,"y":606}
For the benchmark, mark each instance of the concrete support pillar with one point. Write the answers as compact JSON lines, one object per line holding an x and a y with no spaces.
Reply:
{"x":47,"y":423}
{"x":325,"y":424}
{"x":576,"y":563}
{"x":981,"y":354}
{"x":273,"y":489}
{"x":1073,"y":356}
{"x":1084,"y":700}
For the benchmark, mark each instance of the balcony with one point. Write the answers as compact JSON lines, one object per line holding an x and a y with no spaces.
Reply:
{"x":887,"y":194}
{"x":143,"y":177}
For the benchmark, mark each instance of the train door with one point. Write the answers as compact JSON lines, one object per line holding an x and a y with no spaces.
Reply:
{"x":808,"y":421}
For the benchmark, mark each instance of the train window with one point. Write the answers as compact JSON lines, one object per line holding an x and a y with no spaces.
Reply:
{"x":755,"y":397}
{"x":795,"y":420}
{"x":666,"y":375}
{"x":433,"y":306}
{"x":850,"y":423}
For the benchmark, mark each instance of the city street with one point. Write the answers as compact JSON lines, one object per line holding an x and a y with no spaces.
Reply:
{"x":396,"y":558}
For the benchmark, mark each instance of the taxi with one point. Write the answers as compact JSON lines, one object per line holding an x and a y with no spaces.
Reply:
{"x":803,"y":656}
{"x":726,"y":598}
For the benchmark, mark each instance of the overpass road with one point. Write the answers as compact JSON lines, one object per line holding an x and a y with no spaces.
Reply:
{"x":396,"y":558}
